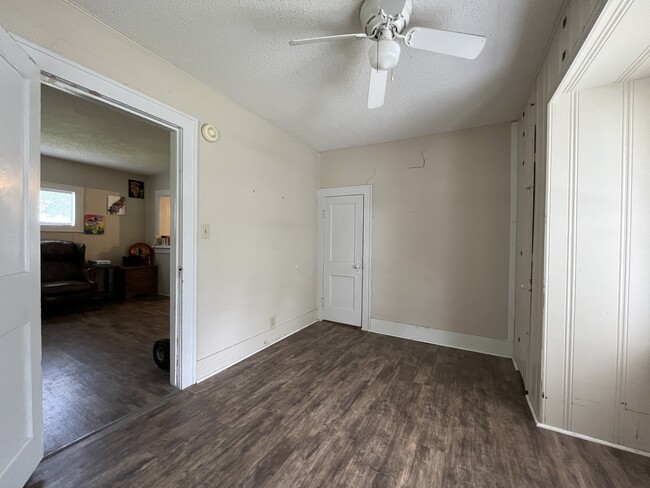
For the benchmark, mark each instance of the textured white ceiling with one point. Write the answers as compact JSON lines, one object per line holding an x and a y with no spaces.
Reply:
{"x":319,"y":92}
{"x":89,"y":132}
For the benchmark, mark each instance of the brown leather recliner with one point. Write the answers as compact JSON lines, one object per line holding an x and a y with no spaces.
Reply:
{"x":64,"y":276}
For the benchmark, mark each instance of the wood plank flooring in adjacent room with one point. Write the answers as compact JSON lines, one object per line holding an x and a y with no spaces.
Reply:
{"x":334,"y":406}
{"x":98,"y":367}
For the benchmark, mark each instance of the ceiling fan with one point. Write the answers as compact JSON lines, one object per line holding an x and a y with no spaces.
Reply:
{"x":384,"y":21}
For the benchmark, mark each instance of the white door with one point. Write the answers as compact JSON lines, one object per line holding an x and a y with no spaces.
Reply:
{"x":343,"y":258}
{"x":21,"y":408}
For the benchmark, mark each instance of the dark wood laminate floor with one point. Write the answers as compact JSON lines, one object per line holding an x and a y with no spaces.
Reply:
{"x":334,"y":406}
{"x":98,"y":367}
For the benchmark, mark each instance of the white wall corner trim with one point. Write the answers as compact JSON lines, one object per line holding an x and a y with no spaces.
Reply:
{"x":570,"y":319}
{"x":625,"y":246}
{"x":485,"y":345}
{"x":221,"y":360}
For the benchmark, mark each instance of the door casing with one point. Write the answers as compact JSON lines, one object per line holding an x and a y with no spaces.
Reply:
{"x":67,"y":75}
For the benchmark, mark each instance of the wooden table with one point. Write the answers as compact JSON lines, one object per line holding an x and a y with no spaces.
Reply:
{"x":105,"y":271}
{"x":136,"y":280}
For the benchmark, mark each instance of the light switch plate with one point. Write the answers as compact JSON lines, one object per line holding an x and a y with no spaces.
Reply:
{"x":205,"y":231}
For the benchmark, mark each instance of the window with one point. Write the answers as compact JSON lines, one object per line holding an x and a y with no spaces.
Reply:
{"x":61,"y":207}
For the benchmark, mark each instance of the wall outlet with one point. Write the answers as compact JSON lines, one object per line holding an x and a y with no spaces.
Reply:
{"x":272,"y":321}
{"x":205,"y":231}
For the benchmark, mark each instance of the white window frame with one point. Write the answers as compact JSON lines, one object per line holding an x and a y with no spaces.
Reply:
{"x":78,"y":208}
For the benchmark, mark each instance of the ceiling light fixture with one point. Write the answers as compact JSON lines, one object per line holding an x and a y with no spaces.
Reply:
{"x":384,"y":54}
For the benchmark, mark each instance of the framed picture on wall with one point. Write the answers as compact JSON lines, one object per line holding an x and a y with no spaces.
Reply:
{"x":93,"y":224}
{"x":116,"y":205}
{"x":136,"y":189}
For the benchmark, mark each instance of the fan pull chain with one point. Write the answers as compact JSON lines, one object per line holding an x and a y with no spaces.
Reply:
{"x":377,"y":56}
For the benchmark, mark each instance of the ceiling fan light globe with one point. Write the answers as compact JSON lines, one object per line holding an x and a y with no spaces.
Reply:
{"x":384,"y":54}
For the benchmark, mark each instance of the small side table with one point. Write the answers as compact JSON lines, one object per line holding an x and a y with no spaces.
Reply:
{"x":136,"y":280}
{"x":105,"y":271}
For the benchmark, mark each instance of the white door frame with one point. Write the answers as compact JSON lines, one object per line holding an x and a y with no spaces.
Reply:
{"x":366,"y":192}
{"x":183,"y":179}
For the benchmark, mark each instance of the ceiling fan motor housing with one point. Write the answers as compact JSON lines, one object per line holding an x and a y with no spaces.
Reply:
{"x":372,"y":20}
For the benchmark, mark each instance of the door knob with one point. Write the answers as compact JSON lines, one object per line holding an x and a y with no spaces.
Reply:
{"x":356,"y":266}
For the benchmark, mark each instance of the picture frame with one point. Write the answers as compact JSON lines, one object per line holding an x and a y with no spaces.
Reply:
{"x":116,"y":205}
{"x":93,"y":224}
{"x":136,"y":189}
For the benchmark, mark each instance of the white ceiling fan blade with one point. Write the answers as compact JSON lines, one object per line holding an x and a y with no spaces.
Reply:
{"x":467,"y":46}
{"x":297,"y":42}
{"x":392,"y":7}
{"x":377,"y":91}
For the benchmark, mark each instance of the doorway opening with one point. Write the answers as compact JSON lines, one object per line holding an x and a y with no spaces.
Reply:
{"x":175,"y":248}
{"x":105,"y":267}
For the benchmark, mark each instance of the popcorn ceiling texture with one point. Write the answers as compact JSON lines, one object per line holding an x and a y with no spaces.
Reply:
{"x":319,"y":92}
{"x":79,"y":130}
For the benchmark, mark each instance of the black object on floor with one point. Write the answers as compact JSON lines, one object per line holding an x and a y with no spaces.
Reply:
{"x":161,"y":353}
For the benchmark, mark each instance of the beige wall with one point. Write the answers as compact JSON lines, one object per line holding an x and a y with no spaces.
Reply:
{"x":256,"y":185}
{"x":120,"y":230}
{"x":440,"y":233}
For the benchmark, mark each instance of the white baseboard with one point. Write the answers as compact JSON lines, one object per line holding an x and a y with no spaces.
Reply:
{"x":593,"y":439}
{"x":532,"y":410}
{"x":485,"y":345}
{"x":514,"y":363}
{"x":220,"y":360}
